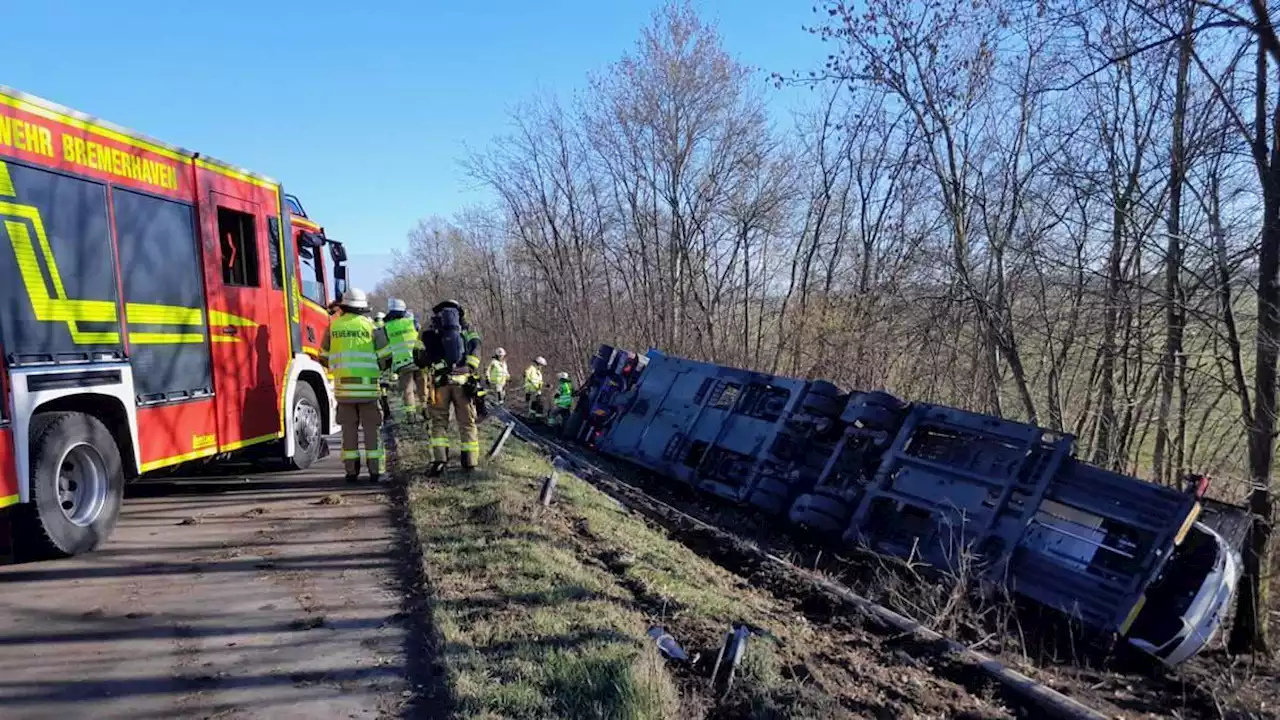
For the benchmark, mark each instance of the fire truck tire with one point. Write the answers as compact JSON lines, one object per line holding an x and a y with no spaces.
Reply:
{"x":77,"y":485}
{"x":307,"y":435}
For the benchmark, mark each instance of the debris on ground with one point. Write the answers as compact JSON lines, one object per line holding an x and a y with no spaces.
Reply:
{"x":310,"y":622}
{"x":667,"y":645}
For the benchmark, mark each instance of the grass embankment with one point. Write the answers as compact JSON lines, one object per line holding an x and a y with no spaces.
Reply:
{"x":544,"y":613}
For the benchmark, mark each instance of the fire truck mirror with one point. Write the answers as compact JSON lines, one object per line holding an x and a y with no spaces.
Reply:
{"x":337,"y":251}
{"x":339,"y":279}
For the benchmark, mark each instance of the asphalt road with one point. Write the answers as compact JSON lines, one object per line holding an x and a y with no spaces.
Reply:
{"x":233,"y":597}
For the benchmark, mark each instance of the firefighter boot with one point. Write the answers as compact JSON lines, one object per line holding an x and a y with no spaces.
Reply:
{"x":440,"y":462}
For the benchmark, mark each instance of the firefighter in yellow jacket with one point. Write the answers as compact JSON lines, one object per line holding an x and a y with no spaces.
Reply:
{"x":497,"y":374}
{"x":533,"y":386}
{"x":356,"y":352}
{"x":452,"y":358}
{"x":402,"y":336}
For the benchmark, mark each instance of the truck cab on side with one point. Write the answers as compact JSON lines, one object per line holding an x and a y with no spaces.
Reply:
{"x":151,"y":316}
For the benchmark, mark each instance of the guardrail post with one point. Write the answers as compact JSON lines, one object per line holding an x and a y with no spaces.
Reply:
{"x":502,"y":440}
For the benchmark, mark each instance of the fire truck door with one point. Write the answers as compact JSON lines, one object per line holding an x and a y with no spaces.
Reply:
{"x":247,"y":322}
{"x":312,"y":281}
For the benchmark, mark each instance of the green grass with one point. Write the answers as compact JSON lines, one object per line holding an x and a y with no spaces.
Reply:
{"x":543,"y":613}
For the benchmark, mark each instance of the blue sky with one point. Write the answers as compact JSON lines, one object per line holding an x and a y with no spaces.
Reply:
{"x":362,"y":109}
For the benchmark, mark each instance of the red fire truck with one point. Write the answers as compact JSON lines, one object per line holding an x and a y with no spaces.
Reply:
{"x":157,"y":307}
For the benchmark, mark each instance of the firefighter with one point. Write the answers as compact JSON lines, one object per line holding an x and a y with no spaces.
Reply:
{"x":355,"y":353}
{"x":386,"y":379}
{"x":562,"y":400}
{"x":533,"y":385}
{"x":451,"y":356}
{"x":402,"y":337}
{"x":497,"y":375}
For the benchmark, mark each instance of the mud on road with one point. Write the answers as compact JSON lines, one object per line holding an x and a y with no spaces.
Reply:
{"x":272,"y":595}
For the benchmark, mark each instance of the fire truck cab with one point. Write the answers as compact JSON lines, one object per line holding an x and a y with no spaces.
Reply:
{"x":157,"y":307}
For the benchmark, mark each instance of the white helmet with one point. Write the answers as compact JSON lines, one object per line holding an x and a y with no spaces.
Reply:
{"x":356,"y":299}
{"x":540,"y":361}
{"x":500,"y":353}
{"x":395,"y":305}
{"x":562,"y":376}
{"x":379,"y":315}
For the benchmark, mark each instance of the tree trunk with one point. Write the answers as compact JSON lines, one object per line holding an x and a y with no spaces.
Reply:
{"x":1249,"y":634}
{"x":1173,"y":310}
{"x":1107,"y":371}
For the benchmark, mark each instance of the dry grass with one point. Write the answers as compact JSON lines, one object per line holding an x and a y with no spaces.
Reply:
{"x":530,"y":631}
{"x":544,"y":612}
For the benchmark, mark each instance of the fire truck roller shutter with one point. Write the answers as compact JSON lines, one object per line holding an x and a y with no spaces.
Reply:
{"x":168,"y":330}
{"x":57,"y":268}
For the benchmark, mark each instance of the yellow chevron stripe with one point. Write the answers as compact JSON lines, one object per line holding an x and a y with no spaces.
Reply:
{"x":145,"y":314}
{"x":145,"y":338}
{"x":220,"y":318}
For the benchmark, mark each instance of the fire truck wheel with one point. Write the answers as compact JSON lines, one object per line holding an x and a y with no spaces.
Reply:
{"x":77,"y":484}
{"x":306,"y":427}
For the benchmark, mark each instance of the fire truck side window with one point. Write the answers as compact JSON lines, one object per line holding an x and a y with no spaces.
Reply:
{"x":239,"y":240}
{"x":312,"y":274}
{"x":273,"y":253}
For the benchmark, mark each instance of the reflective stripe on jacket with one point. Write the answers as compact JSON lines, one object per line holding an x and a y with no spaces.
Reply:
{"x":471,"y":341}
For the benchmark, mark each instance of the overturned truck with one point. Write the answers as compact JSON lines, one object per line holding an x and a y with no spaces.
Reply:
{"x":925,"y":482}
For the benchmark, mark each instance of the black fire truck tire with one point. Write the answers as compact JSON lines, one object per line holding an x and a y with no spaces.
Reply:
{"x":307,"y":430}
{"x":77,"y":486}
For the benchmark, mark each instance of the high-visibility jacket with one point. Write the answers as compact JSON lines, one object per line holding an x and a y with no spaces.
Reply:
{"x":355,"y":353}
{"x":497,"y":372}
{"x":532,"y":379}
{"x":403,"y":340}
{"x":564,"y":394}
{"x":472,"y":341}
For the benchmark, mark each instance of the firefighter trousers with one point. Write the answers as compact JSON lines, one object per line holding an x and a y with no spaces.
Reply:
{"x":464,"y":411}
{"x":413,"y":392}
{"x":354,"y":417}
